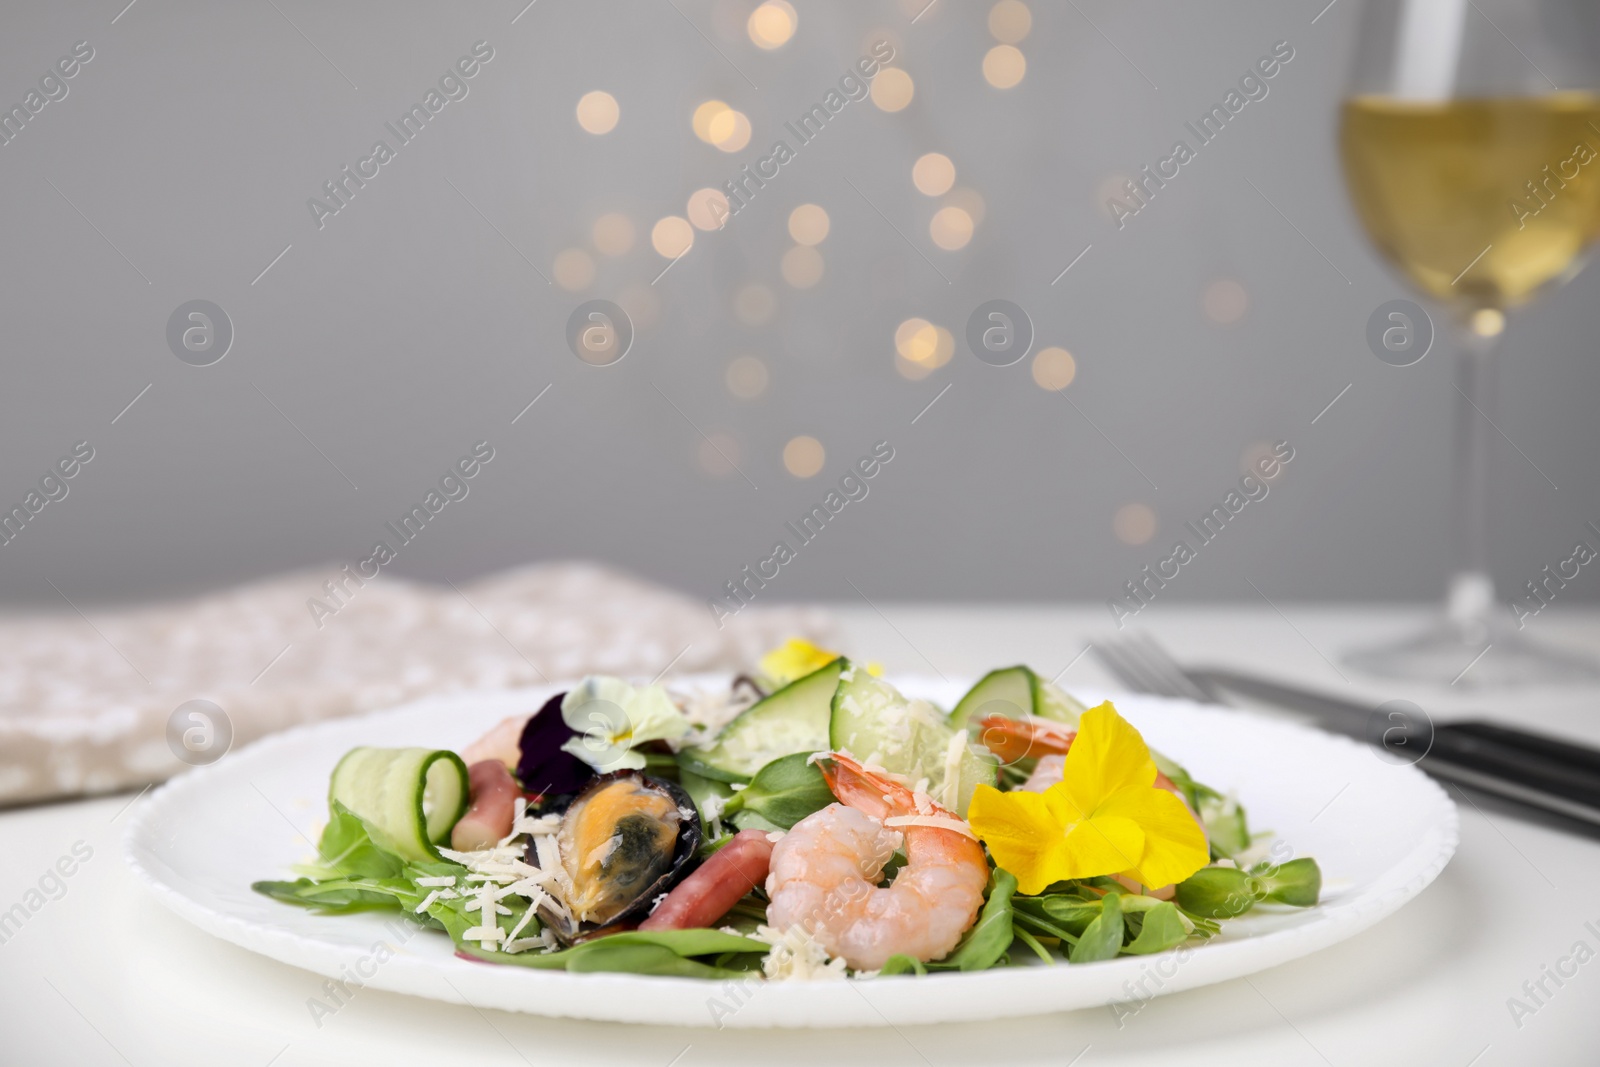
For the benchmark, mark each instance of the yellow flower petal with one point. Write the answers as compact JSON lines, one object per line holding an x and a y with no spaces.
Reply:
{"x":1107,"y":756}
{"x":1174,"y":844}
{"x":1022,"y":833}
{"x":1105,"y":817}
{"x":1103,"y":844}
{"x":795,"y":658}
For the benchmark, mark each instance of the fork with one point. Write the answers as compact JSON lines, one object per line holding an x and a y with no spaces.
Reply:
{"x":1140,"y":663}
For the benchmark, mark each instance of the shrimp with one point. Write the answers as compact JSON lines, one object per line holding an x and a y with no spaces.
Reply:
{"x":1047,"y":740}
{"x":825,"y":871}
{"x":1017,"y":739}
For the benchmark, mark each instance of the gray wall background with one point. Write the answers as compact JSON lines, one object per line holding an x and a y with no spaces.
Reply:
{"x":408,"y":328}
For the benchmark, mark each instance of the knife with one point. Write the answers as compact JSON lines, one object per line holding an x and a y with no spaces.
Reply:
{"x":1536,"y":770}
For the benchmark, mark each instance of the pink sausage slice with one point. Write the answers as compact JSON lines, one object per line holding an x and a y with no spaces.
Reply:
{"x":494,"y":796}
{"x":719,"y":883}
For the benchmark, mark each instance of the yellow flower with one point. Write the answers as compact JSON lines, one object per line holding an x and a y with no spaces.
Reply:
{"x":1106,"y":816}
{"x":795,"y":658}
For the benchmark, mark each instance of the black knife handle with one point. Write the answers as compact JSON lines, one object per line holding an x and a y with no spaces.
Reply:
{"x":1463,"y":745}
{"x":1570,"y":753}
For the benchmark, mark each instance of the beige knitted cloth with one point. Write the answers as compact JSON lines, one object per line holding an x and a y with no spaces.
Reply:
{"x":85,"y":700}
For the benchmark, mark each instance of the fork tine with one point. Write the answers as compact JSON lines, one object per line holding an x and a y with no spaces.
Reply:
{"x":1129,"y":670}
{"x":1158,"y":660}
{"x":1140,"y":663}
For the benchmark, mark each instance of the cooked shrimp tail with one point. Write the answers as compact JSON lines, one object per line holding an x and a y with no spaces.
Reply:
{"x":1019,"y":739}
{"x":825,"y":871}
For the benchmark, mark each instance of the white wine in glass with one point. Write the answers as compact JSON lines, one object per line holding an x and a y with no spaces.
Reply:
{"x":1471,"y":147}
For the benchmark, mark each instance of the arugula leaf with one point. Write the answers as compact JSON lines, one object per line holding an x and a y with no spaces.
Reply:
{"x":1102,"y":939}
{"x":986,"y":943}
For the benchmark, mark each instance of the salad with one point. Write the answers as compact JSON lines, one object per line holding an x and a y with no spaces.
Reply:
{"x":809,"y":822}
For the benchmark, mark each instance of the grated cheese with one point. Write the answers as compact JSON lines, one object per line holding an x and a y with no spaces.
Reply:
{"x":950,"y":793}
{"x":437,"y":880}
{"x":795,"y":954}
{"x":501,"y":871}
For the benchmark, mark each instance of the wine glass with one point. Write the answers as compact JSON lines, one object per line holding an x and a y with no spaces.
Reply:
{"x":1470,"y":139}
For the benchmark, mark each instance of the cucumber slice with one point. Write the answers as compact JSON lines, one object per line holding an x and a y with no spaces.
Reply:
{"x":410,"y":798}
{"x":1050,"y":701}
{"x":876,"y":724}
{"x":794,"y":719}
{"x":1013,"y":692}
{"x":1007,"y":691}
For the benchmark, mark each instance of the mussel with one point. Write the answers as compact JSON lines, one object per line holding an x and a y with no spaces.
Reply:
{"x":625,"y":839}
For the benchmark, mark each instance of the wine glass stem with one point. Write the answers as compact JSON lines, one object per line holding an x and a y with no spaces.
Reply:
{"x":1471,"y":595}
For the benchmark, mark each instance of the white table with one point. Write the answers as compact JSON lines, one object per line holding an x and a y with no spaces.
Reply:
{"x":106,"y":975}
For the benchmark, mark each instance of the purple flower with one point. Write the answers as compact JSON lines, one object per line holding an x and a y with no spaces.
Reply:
{"x":544,"y":768}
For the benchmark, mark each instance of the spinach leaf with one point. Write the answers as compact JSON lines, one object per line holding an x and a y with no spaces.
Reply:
{"x":990,"y":937}
{"x":636,"y":952}
{"x":1102,"y":939}
{"x":335,"y":897}
{"x":643,"y":959}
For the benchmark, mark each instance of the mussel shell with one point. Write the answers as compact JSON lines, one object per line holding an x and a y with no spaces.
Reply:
{"x":672,"y":867}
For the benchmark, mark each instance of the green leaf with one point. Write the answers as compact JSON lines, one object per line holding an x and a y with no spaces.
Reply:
{"x":643,"y":959}
{"x":333,"y":898}
{"x":783,"y":792}
{"x":751,"y":820}
{"x":1070,"y":912}
{"x":1297,"y":883}
{"x":1021,"y":917}
{"x":1217,"y":892}
{"x":1033,"y":944}
{"x":1162,"y":928}
{"x":657,"y":952}
{"x":1226,"y":826}
{"x":700,"y":790}
{"x":901,"y":964}
{"x":347,"y":848}
{"x":1102,"y":939}
{"x":986,"y":943}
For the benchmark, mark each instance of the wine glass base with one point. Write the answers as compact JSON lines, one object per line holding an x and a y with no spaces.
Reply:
{"x":1494,"y":655}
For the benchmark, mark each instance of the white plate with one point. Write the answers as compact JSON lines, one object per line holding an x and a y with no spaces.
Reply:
{"x":1380,"y":832}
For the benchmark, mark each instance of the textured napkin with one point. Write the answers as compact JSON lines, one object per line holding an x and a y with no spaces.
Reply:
{"x":90,"y":703}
